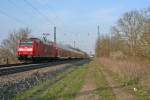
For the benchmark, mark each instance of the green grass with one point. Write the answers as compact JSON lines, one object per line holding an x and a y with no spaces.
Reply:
{"x":39,"y":87}
{"x":142,"y":94}
{"x":104,"y":91}
{"x":65,"y":89}
{"x":132,"y":83}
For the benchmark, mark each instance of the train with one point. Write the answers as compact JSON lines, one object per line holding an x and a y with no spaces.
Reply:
{"x":34,"y":49}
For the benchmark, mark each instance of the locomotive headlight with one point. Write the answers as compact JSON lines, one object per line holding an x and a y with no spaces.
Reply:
{"x":25,"y":49}
{"x":29,"y":49}
{"x":20,"y":49}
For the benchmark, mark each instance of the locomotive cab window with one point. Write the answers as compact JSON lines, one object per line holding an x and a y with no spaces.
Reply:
{"x":26,"y":43}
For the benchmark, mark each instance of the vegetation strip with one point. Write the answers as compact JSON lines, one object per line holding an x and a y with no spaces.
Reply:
{"x":88,"y":89}
{"x":132,"y":86}
{"x":95,"y":86}
{"x":120,"y":92}
{"x":67,"y":88}
{"x":104,"y":91}
{"x":40,"y":86}
{"x":64,"y":86}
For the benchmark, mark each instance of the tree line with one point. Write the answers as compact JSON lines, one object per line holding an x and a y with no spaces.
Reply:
{"x":8,"y":46}
{"x":130,"y":36}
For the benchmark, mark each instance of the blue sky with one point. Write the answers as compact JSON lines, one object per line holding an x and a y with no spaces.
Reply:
{"x":76,"y":20}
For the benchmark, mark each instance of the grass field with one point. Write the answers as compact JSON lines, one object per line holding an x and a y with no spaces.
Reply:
{"x":68,"y":85}
{"x":91,"y":81}
{"x":130,"y":76}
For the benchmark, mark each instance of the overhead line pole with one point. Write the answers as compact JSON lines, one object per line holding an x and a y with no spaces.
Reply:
{"x":74,"y":44}
{"x":98,"y":32}
{"x":55,"y":34}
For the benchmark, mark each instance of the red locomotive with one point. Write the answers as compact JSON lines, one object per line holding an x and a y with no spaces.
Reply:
{"x":35,"y":49}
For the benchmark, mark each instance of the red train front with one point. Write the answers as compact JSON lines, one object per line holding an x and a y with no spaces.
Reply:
{"x":35,"y":49}
{"x":25,"y":49}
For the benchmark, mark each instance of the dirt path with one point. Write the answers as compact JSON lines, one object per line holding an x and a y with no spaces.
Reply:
{"x":87,"y":91}
{"x":119,"y":91}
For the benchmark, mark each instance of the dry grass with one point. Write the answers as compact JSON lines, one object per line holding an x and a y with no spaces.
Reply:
{"x":137,"y":71}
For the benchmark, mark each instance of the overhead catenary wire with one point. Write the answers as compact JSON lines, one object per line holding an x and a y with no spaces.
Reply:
{"x":39,"y":12}
{"x":56,"y":16}
{"x":42,"y":14}
{"x":12,"y":17}
{"x":16,"y":6}
{"x":24,"y":11}
{"x":17,"y":19}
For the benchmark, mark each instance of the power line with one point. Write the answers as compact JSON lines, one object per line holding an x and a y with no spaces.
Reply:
{"x":56,"y":17}
{"x":13,"y":18}
{"x":11,"y":2}
{"x":15,"y":5}
{"x":40,"y":13}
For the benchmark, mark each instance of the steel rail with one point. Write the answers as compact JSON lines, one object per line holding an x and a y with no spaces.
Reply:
{"x":21,"y":68}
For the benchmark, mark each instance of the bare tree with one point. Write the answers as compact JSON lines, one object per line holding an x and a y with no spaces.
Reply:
{"x":130,"y":36}
{"x":24,"y":33}
{"x":9,"y":45}
{"x":144,"y":42}
{"x":129,"y":27}
{"x":103,"y":46}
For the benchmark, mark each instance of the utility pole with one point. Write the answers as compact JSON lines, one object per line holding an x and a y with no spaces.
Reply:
{"x":55,"y":34}
{"x":98,"y":32}
{"x":74,"y":43}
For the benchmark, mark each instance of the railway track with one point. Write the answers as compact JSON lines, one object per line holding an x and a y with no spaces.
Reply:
{"x":9,"y":65}
{"x":6,"y":70}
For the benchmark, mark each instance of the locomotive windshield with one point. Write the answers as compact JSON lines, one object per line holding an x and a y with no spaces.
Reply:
{"x":26,"y":43}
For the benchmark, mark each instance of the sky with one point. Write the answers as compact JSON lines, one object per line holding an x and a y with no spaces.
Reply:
{"x":76,"y":20}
